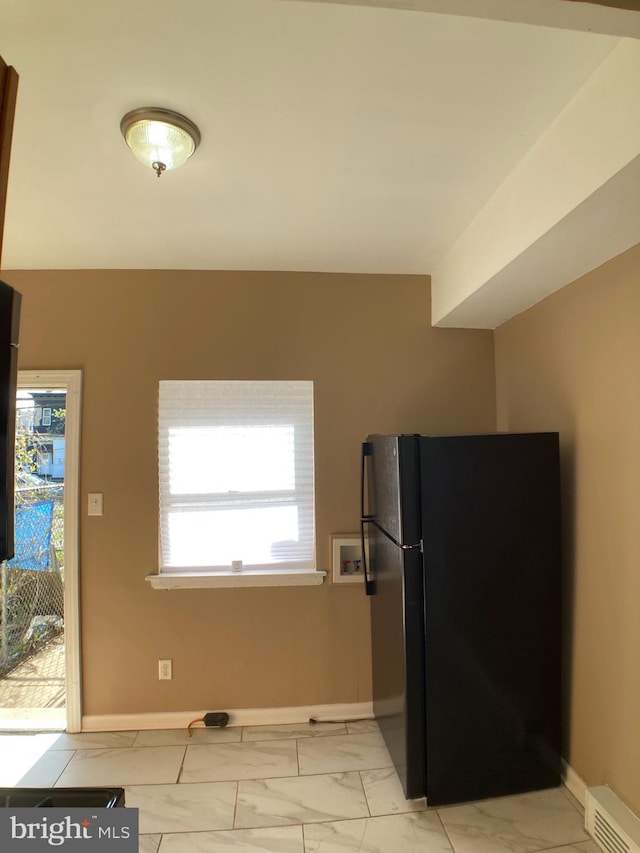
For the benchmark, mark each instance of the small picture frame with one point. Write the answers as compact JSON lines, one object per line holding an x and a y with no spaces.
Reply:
{"x":346,"y":555}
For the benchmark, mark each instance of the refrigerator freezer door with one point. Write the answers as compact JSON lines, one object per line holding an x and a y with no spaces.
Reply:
{"x":393,"y":485}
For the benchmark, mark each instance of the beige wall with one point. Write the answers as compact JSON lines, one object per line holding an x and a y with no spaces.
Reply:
{"x":573,"y":363}
{"x":377,"y":365}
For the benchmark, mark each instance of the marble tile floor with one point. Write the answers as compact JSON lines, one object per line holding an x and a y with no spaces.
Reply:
{"x":327,"y":788}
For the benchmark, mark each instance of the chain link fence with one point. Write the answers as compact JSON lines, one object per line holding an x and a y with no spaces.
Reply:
{"x":32,"y":583}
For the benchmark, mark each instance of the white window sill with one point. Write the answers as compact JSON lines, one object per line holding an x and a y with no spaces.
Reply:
{"x":200,"y":580}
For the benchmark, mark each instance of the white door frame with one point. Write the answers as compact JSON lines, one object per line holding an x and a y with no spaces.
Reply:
{"x":71,"y":382}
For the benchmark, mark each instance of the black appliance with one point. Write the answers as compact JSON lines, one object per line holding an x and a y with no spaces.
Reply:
{"x":61,"y":798}
{"x":10,"y":301}
{"x":461,"y":544}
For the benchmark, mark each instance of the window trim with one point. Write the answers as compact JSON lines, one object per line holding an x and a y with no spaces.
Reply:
{"x":245,"y":578}
{"x":277,"y":574}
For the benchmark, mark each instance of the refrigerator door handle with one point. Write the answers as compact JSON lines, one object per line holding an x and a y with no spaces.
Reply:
{"x":367,"y":452}
{"x":369,"y":583}
{"x":391,"y":538}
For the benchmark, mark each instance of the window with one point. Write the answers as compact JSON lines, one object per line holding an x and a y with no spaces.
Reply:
{"x":46,"y":417}
{"x":236,"y":477}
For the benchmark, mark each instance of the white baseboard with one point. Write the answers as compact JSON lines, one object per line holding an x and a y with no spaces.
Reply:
{"x":573,"y":783}
{"x":238,"y":717}
{"x":271,"y":717}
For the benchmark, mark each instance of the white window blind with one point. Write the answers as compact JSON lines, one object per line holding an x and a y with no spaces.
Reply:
{"x":236,"y":475}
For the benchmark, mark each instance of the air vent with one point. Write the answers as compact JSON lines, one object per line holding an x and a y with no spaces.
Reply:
{"x":610,"y":823}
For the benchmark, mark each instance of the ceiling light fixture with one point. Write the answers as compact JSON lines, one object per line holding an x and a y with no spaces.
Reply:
{"x":160,"y":138}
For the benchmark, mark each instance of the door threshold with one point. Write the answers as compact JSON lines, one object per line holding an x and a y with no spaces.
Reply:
{"x":33,"y":719}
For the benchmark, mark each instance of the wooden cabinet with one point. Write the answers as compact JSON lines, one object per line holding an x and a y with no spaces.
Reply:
{"x":8,"y":92}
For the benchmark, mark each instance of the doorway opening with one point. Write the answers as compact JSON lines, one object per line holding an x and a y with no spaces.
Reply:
{"x":39,"y":609}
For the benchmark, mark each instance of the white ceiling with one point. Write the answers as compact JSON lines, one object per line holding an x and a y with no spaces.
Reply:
{"x":335,"y":137}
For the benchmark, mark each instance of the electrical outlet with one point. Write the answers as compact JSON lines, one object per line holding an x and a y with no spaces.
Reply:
{"x":165,"y":670}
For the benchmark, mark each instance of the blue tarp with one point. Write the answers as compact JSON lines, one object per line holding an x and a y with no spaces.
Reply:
{"x":34,"y":522}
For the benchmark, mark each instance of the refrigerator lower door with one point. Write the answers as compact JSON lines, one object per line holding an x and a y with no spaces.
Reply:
{"x":397,"y":609}
{"x":398,"y":661}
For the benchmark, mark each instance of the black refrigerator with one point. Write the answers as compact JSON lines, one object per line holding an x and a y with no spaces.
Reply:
{"x":461,"y":538}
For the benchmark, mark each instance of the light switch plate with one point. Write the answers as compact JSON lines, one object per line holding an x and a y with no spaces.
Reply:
{"x":95,"y":503}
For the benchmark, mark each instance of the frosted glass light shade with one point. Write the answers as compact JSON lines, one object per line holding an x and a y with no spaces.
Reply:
{"x":160,"y":138}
